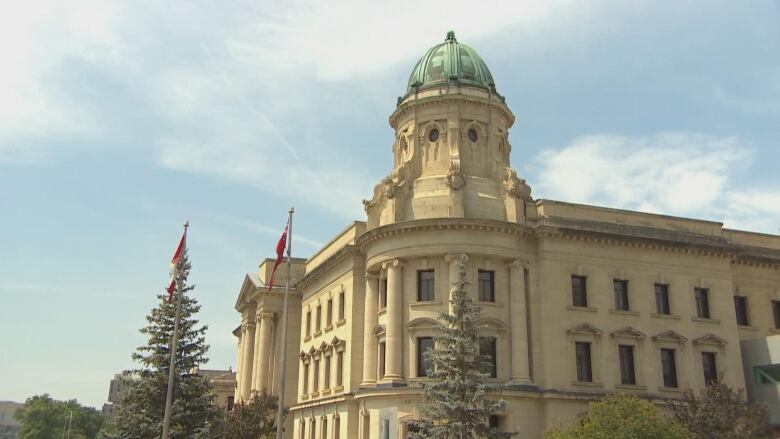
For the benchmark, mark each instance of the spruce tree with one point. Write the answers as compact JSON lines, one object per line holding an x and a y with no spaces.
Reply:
{"x":142,"y":402}
{"x":456,"y":401}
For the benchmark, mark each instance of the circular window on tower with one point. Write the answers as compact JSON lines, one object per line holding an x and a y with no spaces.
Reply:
{"x":433,"y":135}
{"x":473,"y":136}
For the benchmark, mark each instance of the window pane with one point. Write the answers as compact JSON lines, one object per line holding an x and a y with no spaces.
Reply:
{"x":329,"y":316}
{"x":425,"y":285}
{"x":383,"y":293}
{"x":662,"y":299}
{"x":627,"y":364}
{"x":579,"y":296}
{"x":740,"y":306}
{"x":423,"y":362}
{"x":342,"y":306}
{"x":487,"y":347}
{"x":669,"y":367}
{"x":326,"y":378}
{"x":776,"y":312}
{"x":486,"y":286}
{"x":621,"y":294}
{"x":702,"y":303}
{"x":319,"y":317}
{"x":584,"y":372}
{"x":339,"y":368}
{"x":381,"y":360}
{"x":709,"y":366}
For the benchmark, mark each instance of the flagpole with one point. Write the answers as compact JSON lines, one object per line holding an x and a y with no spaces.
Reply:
{"x":174,"y":344}
{"x":280,"y":404}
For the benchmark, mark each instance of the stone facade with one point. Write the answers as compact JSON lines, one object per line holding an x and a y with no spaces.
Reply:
{"x":578,"y":300}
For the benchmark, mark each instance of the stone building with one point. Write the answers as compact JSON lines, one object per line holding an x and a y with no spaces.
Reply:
{"x":578,"y":300}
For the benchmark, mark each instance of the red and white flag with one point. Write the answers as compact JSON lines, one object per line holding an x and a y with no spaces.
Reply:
{"x":175,"y":265}
{"x":280,"y":246}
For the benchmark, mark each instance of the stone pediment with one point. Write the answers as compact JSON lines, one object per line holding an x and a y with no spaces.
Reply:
{"x":584,"y":329}
{"x":670,"y":336}
{"x":628,"y":332}
{"x":312,"y":351}
{"x":494,"y":324}
{"x":336,"y":341}
{"x":422,"y":322}
{"x":324,"y":346}
{"x":379,"y":329}
{"x":711,"y":340}
{"x":248,"y":289}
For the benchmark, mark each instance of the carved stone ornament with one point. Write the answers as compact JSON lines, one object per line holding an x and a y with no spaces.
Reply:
{"x":515,"y":186}
{"x":455,"y":180}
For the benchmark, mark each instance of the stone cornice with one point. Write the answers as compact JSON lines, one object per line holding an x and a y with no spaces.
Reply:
{"x":326,"y":266}
{"x":447,"y":98}
{"x":441,"y":224}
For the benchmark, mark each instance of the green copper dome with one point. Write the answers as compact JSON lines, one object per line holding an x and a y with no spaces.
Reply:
{"x":451,"y":61}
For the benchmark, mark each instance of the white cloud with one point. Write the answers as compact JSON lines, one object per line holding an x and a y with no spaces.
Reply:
{"x":685,"y":174}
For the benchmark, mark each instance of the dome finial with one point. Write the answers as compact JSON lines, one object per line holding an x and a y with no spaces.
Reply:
{"x":451,"y":36}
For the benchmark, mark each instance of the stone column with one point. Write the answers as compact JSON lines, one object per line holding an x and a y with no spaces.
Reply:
{"x":452,"y":259}
{"x":239,"y":356}
{"x":369,"y":322}
{"x":518,"y":323}
{"x":249,"y":355}
{"x":257,"y":358}
{"x":394,"y":329}
{"x":265,"y":322}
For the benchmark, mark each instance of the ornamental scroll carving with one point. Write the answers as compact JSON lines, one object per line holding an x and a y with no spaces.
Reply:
{"x":455,"y":179}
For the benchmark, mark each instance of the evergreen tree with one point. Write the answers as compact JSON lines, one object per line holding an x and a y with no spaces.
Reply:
{"x":456,"y":400}
{"x":141,"y":404}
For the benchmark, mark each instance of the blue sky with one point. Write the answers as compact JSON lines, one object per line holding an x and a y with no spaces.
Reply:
{"x":119,"y":121}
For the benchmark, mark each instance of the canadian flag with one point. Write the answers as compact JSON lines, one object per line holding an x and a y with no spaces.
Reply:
{"x":175,"y":265}
{"x":280,"y":246}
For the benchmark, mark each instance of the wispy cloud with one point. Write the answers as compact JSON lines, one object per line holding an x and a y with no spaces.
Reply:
{"x":686,"y":174}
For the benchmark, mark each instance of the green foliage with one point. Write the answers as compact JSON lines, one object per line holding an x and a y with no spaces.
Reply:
{"x":43,"y":418}
{"x":253,"y":420}
{"x":622,"y":416}
{"x":456,"y":402}
{"x":720,"y":412}
{"x":141,"y":406}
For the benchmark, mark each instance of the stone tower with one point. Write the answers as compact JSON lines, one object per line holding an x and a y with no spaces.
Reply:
{"x":451,"y":149}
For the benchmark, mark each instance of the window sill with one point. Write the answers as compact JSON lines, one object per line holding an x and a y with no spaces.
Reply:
{"x":631,"y":387}
{"x":625,"y":312}
{"x":381,"y":312}
{"x":587,"y":384}
{"x":705,"y":320}
{"x":670,"y":389}
{"x":327,"y":328}
{"x":338,"y":389}
{"x":315,"y":394}
{"x":307,"y":338}
{"x":581,"y":308}
{"x":665,"y":316}
{"x":491,"y":304}
{"x":317,"y":334}
{"x":425,"y":303}
{"x":341,"y":322}
{"x":747,"y":327}
{"x":304,"y":397}
{"x":325,"y":392}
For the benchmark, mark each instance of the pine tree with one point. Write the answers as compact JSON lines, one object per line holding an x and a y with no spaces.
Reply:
{"x":141,"y":404}
{"x":456,"y":400}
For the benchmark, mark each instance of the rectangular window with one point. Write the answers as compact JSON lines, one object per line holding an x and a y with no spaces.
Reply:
{"x":306,"y":379}
{"x":621,"y":294}
{"x":342,"y":306}
{"x":313,"y":429}
{"x":385,"y":429}
{"x":425,"y":285}
{"x":316,"y":377}
{"x":669,"y":367}
{"x":584,"y":371}
{"x":493,"y":422}
{"x":339,"y":368}
{"x":319,"y":318}
{"x":579,"y":294}
{"x":329,"y":313}
{"x":326,"y":377}
{"x":336,"y":428}
{"x":485,"y":280}
{"x":702,"y":302}
{"x":303,"y":429}
{"x":381,"y":360}
{"x":383,"y":293}
{"x":710,"y":367}
{"x":741,"y":308}
{"x":230,"y":402}
{"x":308,"y":323}
{"x":627,"y":375}
{"x":423,"y":363}
{"x":487,"y":347}
{"x":776,"y":312}
{"x":324,"y":428}
{"x":662,"y":299}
